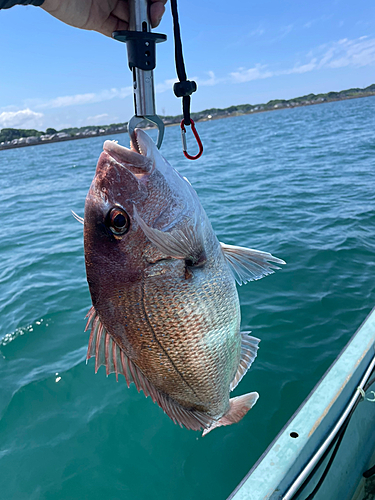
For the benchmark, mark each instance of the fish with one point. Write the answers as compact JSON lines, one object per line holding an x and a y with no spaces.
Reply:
{"x":165,"y":309}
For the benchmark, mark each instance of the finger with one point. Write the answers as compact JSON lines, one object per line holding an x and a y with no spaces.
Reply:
{"x":121,"y":11}
{"x":157,"y":10}
{"x":112,"y":24}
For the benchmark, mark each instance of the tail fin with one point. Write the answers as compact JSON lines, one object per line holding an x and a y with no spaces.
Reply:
{"x":238,"y":408}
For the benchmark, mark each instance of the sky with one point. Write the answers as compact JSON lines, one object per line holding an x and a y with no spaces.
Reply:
{"x":239,"y":52}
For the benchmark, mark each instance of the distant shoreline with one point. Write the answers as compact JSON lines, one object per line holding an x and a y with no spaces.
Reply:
{"x":279,"y":108}
{"x":206,"y":115}
{"x":57,"y":139}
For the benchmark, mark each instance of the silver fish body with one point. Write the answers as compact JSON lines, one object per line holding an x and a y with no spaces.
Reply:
{"x":165,"y":309}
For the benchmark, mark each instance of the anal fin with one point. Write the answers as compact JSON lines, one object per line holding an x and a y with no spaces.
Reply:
{"x":249,"y":348}
{"x":238,"y":408}
{"x":108,"y":353}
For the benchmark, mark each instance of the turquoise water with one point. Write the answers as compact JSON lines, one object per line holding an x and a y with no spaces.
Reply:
{"x":299,"y":183}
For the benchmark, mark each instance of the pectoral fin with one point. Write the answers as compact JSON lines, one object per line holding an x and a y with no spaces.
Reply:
{"x":247,"y":264}
{"x":178,"y":244}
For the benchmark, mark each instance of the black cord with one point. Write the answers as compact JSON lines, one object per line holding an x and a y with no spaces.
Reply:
{"x":369,"y":384}
{"x":370,"y":472}
{"x":179,"y":58}
{"x":330,"y":462}
{"x":183,"y":88}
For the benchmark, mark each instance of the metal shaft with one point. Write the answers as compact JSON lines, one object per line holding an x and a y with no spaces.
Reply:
{"x":143,"y":81}
{"x":138,"y":15}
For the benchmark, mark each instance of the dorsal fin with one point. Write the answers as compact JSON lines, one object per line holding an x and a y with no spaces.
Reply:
{"x":108,"y":353}
{"x":247,"y":264}
{"x":249,"y":348}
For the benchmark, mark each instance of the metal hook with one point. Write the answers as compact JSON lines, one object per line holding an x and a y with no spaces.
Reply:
{"x":184,"y":144}
{"x":155,"y":119}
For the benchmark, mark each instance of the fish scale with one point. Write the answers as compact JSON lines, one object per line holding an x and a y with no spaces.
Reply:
{"x":134,"y":326}
{"x":166,"y":311}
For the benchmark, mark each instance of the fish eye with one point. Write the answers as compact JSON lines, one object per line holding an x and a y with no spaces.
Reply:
{"x":118,"y":221}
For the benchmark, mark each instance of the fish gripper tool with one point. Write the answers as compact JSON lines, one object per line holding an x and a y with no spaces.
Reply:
{"x":141,"y":47}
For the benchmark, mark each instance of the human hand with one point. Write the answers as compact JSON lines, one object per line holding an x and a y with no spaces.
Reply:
{"x":104,"y":16}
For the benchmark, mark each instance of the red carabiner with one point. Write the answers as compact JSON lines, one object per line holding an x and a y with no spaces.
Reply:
{"x":184,"y":145}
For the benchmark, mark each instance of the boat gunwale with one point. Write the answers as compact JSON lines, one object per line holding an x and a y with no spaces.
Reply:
{"x":366,"y":349}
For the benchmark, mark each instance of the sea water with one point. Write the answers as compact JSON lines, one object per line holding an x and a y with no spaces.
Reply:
{"x":299,"y":183}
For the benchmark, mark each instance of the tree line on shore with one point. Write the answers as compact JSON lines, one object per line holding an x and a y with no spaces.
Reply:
{"x":9,"y":136}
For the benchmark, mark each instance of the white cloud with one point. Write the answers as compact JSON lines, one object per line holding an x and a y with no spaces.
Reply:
{"x":282,"y":33}
{"x":339,"y":54}
{"x":327,"y":56}
{"x":211,"y":80}
{"x":246,"y":75}
{"x":257,"y":32}
{"x":166,"y":85}
{"x":300,"y":68}
{"x":359,"y":52}
{"x":321,"y":19}
{"x":20,"y":119}
{"x":68,"y":100}
{"x":94,"y":120}
{"x":93,"y":97}
{"x":285,"y":30}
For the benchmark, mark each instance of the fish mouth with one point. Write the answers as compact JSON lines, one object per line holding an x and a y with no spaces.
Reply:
{"x":134,"y":143}
{"x":134,"y":159}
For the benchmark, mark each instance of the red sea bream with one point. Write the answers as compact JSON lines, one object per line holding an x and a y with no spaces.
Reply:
{"x":165,"y":310}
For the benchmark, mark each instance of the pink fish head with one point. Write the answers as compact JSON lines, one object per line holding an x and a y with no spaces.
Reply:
{"x":134,"y":196}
